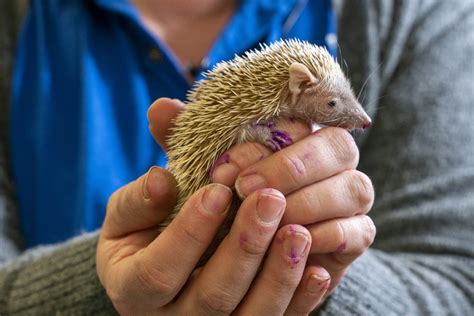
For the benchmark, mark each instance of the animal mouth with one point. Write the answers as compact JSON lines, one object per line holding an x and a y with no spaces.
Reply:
{"x":350,"y":124}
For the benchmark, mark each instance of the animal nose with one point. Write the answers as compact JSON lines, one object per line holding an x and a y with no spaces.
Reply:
{"x":366,"y":122}
{"x":367,"y":125}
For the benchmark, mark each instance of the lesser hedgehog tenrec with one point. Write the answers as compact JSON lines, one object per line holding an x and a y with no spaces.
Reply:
{"x":241,"y":99}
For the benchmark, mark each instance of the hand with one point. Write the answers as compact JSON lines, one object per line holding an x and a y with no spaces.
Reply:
{"x":144,"y":273}
{"x":324,"y":191}
{"x":317,"y":175}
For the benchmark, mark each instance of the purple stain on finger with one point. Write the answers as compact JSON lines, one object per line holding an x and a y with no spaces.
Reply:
{"x":224,"y":158}
{"x":292,"y":230}
{"x":341,"y":247}
{"x":325,"y":286}
{"x":243,"y":239}
{"x":294,"y":258}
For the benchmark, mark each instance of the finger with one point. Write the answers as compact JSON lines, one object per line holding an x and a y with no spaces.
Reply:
{"x":338,"y":242}
{"x":310,"y":292}
{"x":162,"y":268}
{"x":275,"y":285}
{"x":141,"y":204}
{"x":345,"y":238}
{"x":226,"y":277}
{"x":344,"y":195}
{"x":240,"y":156}
{"x":318,"y":156}
{"x":160,"y":117}
{"x":228,"y":166}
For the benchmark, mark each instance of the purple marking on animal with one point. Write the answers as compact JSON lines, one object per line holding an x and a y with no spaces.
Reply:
{"x":269,"y":124}
{"x":274,"y":146}
{"x":282,"y":138}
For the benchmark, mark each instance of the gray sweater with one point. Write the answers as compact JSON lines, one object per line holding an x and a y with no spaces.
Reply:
{"x":415,"y":60}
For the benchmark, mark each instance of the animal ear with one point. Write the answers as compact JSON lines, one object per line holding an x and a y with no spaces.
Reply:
{"x":299,"y":74}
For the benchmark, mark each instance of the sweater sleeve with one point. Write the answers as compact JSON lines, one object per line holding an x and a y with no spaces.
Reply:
{"x":55,"y":280}
{"x":418,"y":58}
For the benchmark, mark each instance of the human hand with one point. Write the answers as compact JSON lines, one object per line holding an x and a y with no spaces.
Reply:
{"x":324,"y":191}
{"x":146,"y":273}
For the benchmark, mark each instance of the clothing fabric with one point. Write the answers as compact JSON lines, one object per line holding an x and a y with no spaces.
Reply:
{"x":413,"y":59}
{"x":92,"y":70}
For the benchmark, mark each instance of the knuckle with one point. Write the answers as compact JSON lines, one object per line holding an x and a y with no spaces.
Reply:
{"x":215,"y":302}
{"x":245,"y":154}
{"x":308,"y":200}
{"x":193,"y":238}
{"x":256,"y":151}
{"x":113,"y":199}
{"x":125,"y":199}
{"x":340,"y":236}
{"x":369,"y":232}
{"x":117,"y":199}
{"x":282,"y":282}
{"x":344,"y":148}
{"x":361,"y":190}
{"x":156,"y":282}
{"x":294,"y":168}
{"x":254,"y":249}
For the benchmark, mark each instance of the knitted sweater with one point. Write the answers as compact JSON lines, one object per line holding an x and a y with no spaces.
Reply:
{"x":414,"y":61}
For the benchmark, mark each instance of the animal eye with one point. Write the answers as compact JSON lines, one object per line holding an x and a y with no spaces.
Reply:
{"x":332,"y":104}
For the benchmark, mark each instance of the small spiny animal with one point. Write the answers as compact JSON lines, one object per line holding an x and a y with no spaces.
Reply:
{"x":240,"y":101}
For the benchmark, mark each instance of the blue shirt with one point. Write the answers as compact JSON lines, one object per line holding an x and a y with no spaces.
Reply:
{"x":86,"y":72}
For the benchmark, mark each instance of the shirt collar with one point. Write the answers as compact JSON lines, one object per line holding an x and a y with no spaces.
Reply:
{"x":118,"y":6}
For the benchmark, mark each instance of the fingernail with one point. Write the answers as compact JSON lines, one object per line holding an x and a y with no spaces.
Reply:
{"x":317,"y":284}
{"x":270,"y":206}
{"x":294,"y":245}
{"x":145,"y":188}
{"x":248,"y":184}
{"x":216,"y":199}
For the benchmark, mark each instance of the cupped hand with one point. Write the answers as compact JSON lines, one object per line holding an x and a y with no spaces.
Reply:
{"x":259,"y":268}
{"x":146,"y":273}
{"x":323,"y":190}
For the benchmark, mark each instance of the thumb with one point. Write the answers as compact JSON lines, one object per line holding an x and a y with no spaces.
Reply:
{"x":160,"y":118}
{"x":141,"y":204}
